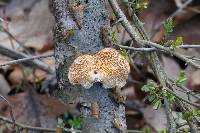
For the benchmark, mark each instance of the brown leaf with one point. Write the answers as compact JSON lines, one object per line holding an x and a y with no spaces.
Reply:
{"x":49,"y":45}
{"x":4,"y":86}
{"x":194,"y":81}
{"x":16,"y":76}
{"x":36,"y":110}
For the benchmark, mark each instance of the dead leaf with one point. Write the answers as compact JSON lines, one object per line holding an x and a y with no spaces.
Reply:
{"x":31,"y":21}
{"x":16,"y":76}
{"x":171,"y":67}
{"x":194,"y":81}
{"x":156,"y":118}
{"x":49,"y":45}
{"x":4,"y":86}
{"x":36,"y":110}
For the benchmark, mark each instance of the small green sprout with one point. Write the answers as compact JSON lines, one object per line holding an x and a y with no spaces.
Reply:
{"x":188,"y":115}
{"x":141,"y":4}
{"x":126,"y":55}
{"x":168,"y":25}
{"x":156,"y":95}
{"x":181,"y":79}
{"x":113,"y":36}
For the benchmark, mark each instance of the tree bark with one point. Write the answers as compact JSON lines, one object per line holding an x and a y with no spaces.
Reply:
{"x":72,"y":37}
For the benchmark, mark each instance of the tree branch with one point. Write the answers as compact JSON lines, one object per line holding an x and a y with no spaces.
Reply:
{"x":17,"y":55}
{"x":25,"y":59}
{"x":152,"y":56}
{"x":85,"y":40}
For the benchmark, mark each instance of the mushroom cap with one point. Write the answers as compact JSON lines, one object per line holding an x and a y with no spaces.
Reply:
{"x":107,"y":66}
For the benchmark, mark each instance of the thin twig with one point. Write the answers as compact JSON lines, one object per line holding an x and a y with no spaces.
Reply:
{"x":151,"y":56}
{"x":181,"y":8}
{"x":177,"y":11}
{"x":189,"y":46}
{"x":25,"y":59}
{"x":133,"y":34}
{"x":27,"y":127}
{"x":17,"y":55}
{"x":182,"y":99}
{"x":193,"y":127}
{"x":169,"y":51}
{"x":16,"y":40}
{"x":137,"y":49}
{"x":154,"y":49}
{"x":193,"y":58}
{"x":11,"y":111}
{"x":183,"y":89}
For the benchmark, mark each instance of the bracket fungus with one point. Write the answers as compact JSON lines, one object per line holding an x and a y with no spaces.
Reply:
{"x":107,"y":66}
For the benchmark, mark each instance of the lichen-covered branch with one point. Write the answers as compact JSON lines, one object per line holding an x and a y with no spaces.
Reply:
{"x":84,"y":37}
{"x":152,"y":56}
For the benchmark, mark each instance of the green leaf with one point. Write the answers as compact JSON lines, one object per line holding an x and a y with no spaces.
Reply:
{"x":149,"y":86}
{"x":113,"y":36}
{"x":181,"y":79}
{"x":186,"y":130}
{"x":75,"y":122}
{"x":196,"y":113}
{"x":177,"y":43}
{"x":151,"y":98}
{"x":141,"y":5}
{"x":126,"y":55}
{"x":168,"y":25}
{"x":157,"y":105}
{"x":163,"y":131}
{"x":147,"y":130}
{"x":187,"y":116}
{"x":170,"y":97}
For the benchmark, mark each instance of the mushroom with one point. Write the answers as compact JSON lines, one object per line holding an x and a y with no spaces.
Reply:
{"x":107,"y":66}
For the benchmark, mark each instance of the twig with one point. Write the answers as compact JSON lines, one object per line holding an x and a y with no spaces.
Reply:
{"x":27,"y":127}
{"x":189,"y":46}
{"x":182,"y":99}
{"x":11,"y":111}
{"x":176,"y":12}
{"x":25,"y":59}
{"x":12,"y":37}
{"x":116,"y":22}
{"x":169,"y":51}
{"x":181,"y":8}
{"x":17,"y":55}
{"x":193,"y":127}
{"x":154,"y":49}
{"x":152,"y":56}
{"x":183,"y":89}
{"x":193,"y":58}
{"x":137,"y":49}
{"x":133,"y":34}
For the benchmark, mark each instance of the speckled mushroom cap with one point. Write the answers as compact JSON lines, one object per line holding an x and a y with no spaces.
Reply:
{"x":107,"y":66}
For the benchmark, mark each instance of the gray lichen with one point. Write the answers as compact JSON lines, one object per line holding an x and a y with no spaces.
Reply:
{"x":84,"y":40}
